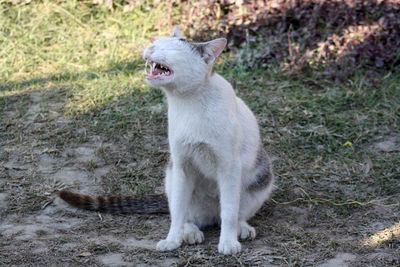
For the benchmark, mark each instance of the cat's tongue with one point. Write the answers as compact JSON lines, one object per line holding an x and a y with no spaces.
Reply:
{"x":157,"y":72}
{"x":154,"y":75}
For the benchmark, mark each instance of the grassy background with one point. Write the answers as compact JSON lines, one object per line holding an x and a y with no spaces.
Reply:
{"x":86,"y":60}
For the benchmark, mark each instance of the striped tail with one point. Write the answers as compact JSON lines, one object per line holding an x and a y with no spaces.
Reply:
{"x":117,"y":204}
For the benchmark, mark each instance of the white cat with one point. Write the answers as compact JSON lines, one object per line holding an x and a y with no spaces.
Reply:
{"x":218,"y":172}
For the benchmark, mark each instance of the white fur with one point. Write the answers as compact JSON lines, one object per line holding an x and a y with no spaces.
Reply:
{"x":211,"y":129}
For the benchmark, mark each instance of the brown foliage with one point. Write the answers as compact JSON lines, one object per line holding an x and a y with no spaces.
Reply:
{"x":339,"y":35}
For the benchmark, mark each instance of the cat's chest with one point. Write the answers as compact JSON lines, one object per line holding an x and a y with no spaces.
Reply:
{"x":188,"y":126}
{"x":194,"y":137}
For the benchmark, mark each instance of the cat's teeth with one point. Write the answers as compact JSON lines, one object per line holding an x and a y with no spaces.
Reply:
{"x":162,"y":70}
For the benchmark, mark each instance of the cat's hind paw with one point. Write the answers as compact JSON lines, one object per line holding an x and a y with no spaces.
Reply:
{"x":229,"y":247}
{"x":246,"y":231}
{"x":192,"y":234}
{"x":166,"y":245}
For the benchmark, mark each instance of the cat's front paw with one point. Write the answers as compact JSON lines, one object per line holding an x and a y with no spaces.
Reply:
{"x":166,"y":245}
{"x":229,"y":247}
{"x":246,"y":231}
{"x":192,"y":234}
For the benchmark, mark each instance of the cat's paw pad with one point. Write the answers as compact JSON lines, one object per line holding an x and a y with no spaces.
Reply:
{"x":193,"y":237}
{"x":246,"y":231}
{"x":229,"y":247}
{"x":165,"y":245}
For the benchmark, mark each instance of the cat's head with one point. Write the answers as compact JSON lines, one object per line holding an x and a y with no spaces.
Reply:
{"x":175,"y":63}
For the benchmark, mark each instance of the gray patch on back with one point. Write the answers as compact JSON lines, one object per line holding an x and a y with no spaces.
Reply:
{"x":264,"y":176}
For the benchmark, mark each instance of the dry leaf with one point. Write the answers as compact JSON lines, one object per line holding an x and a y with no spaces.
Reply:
{"x":85,"y":254}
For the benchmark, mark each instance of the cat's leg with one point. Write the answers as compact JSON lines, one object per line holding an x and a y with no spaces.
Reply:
{"x":203,"y":211}
{"x":192,"y":234}
{"x":251,"y":201}
{"x":179,"y":189}
{"x":229,"y":181}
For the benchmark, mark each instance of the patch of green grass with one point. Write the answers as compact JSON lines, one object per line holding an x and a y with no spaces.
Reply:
{"x":92,"y":51}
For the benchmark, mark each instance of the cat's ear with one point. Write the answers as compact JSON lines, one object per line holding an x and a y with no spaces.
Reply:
{"x":176,"y":32}
{"x":217,"y":46}
{"x":212,"y":49}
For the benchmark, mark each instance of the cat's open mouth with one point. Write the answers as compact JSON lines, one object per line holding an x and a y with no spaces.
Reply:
{"x":156,"y":70}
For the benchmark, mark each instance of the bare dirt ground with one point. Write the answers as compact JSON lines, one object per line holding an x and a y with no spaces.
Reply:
{"x":43,"y":151}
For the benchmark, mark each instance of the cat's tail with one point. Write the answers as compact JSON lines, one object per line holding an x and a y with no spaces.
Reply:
{"x":117,"y":204}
